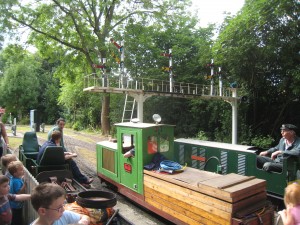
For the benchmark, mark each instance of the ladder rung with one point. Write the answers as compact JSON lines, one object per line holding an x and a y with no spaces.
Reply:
{"x":129,"y":106}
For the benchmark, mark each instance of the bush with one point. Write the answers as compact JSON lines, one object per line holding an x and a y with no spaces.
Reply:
{"x":24,"y":121}
{"x":202,"y":136}
{"x":77,"y":126}
{"x":262,"y":142}
{"x":5,"y":118}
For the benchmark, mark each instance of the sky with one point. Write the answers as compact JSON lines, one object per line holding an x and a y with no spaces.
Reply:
{"x":211,"y":11}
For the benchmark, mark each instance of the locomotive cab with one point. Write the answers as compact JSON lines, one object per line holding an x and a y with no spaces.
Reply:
{"x":122,"y":163}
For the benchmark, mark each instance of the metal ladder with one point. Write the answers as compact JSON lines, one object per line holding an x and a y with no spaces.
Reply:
{"x":129,"y":108}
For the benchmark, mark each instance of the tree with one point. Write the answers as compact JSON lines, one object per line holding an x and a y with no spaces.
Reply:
{"x":22,"y":72}
{"x":260,"y":50}
{"x":81,"y":28}
{"x":20,"y":84}
{"x":49,"y":90}
{"x":190,"y":54}
{"x":82,"y":107}
{"x":190,"y":48}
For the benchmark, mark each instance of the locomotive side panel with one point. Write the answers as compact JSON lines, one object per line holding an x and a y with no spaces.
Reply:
{"x":215,"y":157}
{"x":224,"y":158}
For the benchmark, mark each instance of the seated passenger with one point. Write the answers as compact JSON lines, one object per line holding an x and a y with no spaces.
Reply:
{"x":55,"y":141}
{"x":48,"y":200}
{"x":289,"y":145}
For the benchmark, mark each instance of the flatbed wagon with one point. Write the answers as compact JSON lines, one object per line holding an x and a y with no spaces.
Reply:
{"x":224,"y":158}
{"x":193,"y":196}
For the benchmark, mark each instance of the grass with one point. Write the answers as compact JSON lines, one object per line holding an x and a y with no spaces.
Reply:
{"x":16,"y":141}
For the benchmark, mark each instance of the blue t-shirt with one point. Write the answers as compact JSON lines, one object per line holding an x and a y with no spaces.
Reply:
{"x":68,"y":217}
{"x":15,"y":184}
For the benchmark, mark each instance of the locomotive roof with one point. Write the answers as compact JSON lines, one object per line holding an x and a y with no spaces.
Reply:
{"x":221,"y":145}
{"x":141,"y":125}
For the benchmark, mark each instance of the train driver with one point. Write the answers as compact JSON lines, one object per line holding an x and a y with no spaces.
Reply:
{"x":129,"y":151}
{"x":289,"y":145}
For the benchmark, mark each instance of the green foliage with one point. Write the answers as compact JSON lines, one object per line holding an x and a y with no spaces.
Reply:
{"x":49,"y":103}
{"x":116,"y":108}
{"x":260,"y":50}
{"x":49,"y":90}
{"x":82,"y":107}
{"x":201,"y":135}
{"x":5,"y":118}
{"x":77,"y":33}
{"x":92,"y":129}
{"x":190,"y":53}
{"x":262,"y":141}
{"x":145,"y":44}
{"x":212,"y":117}
{"x":77,"y":126}
{"x":20,"y":87}
{"x":28,"y":83}
{"x":24,"y":121}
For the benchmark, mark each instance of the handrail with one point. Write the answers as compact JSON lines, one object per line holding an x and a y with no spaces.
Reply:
{"x":95,"y":80}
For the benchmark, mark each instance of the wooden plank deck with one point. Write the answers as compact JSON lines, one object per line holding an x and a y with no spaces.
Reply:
{"x":200,"y":197}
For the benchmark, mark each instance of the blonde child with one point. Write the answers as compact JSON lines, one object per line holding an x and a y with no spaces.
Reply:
{"x":5,"y":197}
{"x":48,"y":200}
{"x":291,"y":215}
{"x":5,"y":160}
{"x":17,"y":186}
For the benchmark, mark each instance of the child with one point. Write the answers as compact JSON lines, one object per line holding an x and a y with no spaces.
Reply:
{"x":48,"y":200}
{"x":5,"y":197}
{"x":5,"y":160}
{"x":291,"y":216}
{"x":17,"y":186}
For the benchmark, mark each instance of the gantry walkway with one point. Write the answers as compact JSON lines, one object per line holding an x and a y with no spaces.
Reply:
{"x":152,"y":87}
{"x":141,"y":89}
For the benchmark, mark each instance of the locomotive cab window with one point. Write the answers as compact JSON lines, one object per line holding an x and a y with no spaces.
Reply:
{"x":152,"y":144}
{"x":127,"y":142}
{"x":155,"y":144}
{"x":164,"y":144}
